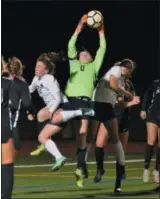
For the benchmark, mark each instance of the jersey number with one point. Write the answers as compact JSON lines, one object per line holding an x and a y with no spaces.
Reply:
{"x":82,"y":68}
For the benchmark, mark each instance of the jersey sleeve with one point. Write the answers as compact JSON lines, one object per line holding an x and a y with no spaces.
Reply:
{"x":32,"y":86}
{"x":147,"y":98}
{"x":98,"y":61}
{"x":54,"y":89}
{"x":72,"y":52}
{"x":114,"y":71}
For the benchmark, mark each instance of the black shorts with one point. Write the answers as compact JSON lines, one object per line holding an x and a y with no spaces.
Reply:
{"x":155,"y":119}
{"x":103,"y":111}
{"x":5,"y":127}
{"x":124,"y":122}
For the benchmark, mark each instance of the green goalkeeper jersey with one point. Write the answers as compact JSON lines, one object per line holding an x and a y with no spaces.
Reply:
{"x":83,"y":76}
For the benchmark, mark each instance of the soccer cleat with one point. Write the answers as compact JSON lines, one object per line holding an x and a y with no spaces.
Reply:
{"x":117,"y":191}
{"x":156,"y":176}
{"x":88,"y":111}
{"x":146,"y":174}
{"x":79,"y":178}
{"x":59,"y":163}
{"x":38,"y":151}
{"x":98,"y":176}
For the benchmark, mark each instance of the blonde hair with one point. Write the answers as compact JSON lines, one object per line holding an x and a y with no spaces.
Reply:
{"x":15,"y":66}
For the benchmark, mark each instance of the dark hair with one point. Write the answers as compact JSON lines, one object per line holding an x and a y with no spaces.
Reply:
{"x":15,"y":66}
{"x":50,"y":60}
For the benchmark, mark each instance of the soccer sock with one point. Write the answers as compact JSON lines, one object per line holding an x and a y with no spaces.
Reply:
{"x":157,"y":166}
{"x":87,"y":151}
{"x":81,"y":158}
{"x":148,"y":155}
{"x":120,"y":153}
{"x":120,"y":170}
{"x":99,"y":155}
{"x":52,"y":149}
{"x":7,"y":180}
{"x":67,"y":115}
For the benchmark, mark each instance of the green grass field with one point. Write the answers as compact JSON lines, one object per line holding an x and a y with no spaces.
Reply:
{"x":38,"y":181}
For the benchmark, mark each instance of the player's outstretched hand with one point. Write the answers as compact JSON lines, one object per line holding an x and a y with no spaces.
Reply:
{"x":83,"y":19}
{"x":81,"y":23}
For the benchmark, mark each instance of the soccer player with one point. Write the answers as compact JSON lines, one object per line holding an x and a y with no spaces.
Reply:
{"x":15,"y":69}
{"x":109,"y":87}
{"x":56,"y":58}
{"x":122,"y":114}
{"x":83,"y":74}
{"x":151,"y":112}
{"x":10,"y":97}
{"x":48,"y":88}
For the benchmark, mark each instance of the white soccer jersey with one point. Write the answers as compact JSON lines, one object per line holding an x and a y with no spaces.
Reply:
{"x":102,"y":92}
{"x":116,"y":72}
{"x":48,"y":88}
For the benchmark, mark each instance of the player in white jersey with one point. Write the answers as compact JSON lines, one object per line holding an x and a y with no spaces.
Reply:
{"x":109,"y":87}
{"x":48,"y":88}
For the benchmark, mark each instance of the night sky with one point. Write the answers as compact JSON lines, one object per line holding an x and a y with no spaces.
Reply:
{"x":31,"y":28}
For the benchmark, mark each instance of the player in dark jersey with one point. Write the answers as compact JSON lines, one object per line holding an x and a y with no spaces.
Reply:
{"x":15,"y":68}
{"x":151,"y":112}
{"x":12,"y":93}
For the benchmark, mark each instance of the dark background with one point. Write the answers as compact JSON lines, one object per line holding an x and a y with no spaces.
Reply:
{"x":31,"y":28}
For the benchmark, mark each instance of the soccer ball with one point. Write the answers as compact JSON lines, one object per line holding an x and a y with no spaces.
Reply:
{"x":94,"y":19}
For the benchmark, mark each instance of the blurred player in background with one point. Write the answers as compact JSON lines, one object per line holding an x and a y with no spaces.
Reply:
{"x":151,"y":112}
{"x":83,"y":73}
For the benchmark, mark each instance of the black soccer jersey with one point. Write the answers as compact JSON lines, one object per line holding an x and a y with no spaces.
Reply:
{"x":151,"y":99}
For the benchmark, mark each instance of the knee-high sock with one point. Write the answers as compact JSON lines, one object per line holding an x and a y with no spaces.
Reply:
{"x":52,"y":149}
{"x":99,"y":155}
{"x":120,"y":156}
{"x":148,"y":155}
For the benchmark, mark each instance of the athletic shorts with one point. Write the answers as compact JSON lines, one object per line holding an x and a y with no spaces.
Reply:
{"x":124,"y":122}
{"x":155,"y":119}
{"x":6,"y":133}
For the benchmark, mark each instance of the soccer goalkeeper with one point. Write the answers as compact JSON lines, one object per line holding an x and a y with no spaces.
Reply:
{"x":83,"y":73}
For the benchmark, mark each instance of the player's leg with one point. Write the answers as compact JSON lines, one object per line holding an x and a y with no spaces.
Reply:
{"x":44,"y":138}
{"x":152,"y":130}
{"x":112,"y":126}
{"x":81,"y":152}
{"x":42,"y":117}
{"x":91,"y":137}
{"x":102,"y":138}
{"x":157,"y":165}
{"x":7,"y":163}
{"x":157,"y":189}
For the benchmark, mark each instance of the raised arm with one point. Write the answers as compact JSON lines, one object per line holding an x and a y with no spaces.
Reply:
{"x":72,"y":51}
{"x":101,"y":51}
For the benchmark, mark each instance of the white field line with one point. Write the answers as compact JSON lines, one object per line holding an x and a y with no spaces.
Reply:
{"x":74,"y":163}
